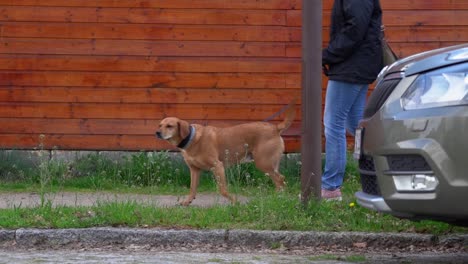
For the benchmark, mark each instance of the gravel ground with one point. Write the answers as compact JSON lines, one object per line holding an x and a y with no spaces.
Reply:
{"x":259,"y":257}
{"x":11,"y":200}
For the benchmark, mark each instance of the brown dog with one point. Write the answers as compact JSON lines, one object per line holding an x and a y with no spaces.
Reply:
{"x":212,"y":148}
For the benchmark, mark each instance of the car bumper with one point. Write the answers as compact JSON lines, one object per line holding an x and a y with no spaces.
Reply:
{"x":372,"y":202}
{"x":395,"y":150}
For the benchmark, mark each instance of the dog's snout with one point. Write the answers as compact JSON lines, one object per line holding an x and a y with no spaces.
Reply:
{"x":158,"y":134}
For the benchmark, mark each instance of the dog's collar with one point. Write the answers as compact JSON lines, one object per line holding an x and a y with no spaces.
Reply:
{"x":188,"y":139}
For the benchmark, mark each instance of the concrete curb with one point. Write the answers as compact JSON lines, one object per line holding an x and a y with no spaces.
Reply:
{"x":247,"y":239}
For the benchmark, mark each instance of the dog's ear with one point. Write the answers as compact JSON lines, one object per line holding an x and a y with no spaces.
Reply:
{"x":184,"y":129}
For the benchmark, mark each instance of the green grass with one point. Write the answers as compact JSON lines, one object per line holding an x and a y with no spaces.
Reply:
{"x":267,"y":211}
{"x":159,"y":174}
{"x":141,"y":172}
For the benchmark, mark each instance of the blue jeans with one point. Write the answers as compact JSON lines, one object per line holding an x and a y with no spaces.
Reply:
{"x":344,"y":106}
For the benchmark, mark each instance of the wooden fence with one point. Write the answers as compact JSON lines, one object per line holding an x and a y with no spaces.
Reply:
{"x":100,"y":74}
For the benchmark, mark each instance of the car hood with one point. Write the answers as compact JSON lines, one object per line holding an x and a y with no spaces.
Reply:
{"x":430,"y":60}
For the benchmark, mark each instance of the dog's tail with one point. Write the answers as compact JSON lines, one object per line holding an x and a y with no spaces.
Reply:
{"x":289,"y":116}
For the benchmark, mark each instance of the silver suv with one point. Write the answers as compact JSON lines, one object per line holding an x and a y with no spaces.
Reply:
{"x":412,"y":144}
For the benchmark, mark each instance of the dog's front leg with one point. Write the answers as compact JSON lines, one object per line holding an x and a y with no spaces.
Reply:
{"x":194,"y":180}
{"x":220,"y":176}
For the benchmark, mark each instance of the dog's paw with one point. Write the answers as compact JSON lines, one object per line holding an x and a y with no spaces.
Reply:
{"x":234,"y":200}
{"x":186,"y":202}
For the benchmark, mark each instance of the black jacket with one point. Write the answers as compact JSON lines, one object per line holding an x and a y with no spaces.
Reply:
{"x":354,"y":53}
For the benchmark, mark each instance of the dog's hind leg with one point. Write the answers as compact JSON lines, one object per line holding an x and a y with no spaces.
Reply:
{"x":273,"y":172}
{"x":220,"y":177}
{"x":194,"y":180}
{"x":267,"y":159}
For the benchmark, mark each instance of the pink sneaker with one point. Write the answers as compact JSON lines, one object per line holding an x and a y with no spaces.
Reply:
{"x":334,"y":195}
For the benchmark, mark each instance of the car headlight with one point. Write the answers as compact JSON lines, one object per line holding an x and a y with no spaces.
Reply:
{"x":437,"y":89}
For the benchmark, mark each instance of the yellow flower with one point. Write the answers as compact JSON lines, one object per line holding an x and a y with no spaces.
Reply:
{"x":352,"y":204}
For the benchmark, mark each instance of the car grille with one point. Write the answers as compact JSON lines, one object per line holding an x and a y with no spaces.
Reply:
{"x":409,"y":163}
{"x":379,"y":96}
{"x":366,"y":163}
{"x":369,"y":182}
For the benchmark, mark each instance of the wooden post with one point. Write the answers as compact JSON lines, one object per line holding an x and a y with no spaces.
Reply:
{"x":311,"y":138}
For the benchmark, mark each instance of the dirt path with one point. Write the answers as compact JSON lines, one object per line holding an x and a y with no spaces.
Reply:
{"x":11,"y":200}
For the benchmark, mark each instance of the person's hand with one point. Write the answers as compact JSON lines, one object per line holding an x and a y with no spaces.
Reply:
{"x":325,"y":69}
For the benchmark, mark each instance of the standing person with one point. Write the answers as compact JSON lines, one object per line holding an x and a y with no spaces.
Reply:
{"x":352,"y":60}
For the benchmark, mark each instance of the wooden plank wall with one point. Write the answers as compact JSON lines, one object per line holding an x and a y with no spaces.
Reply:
{"x":99,"y":74}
